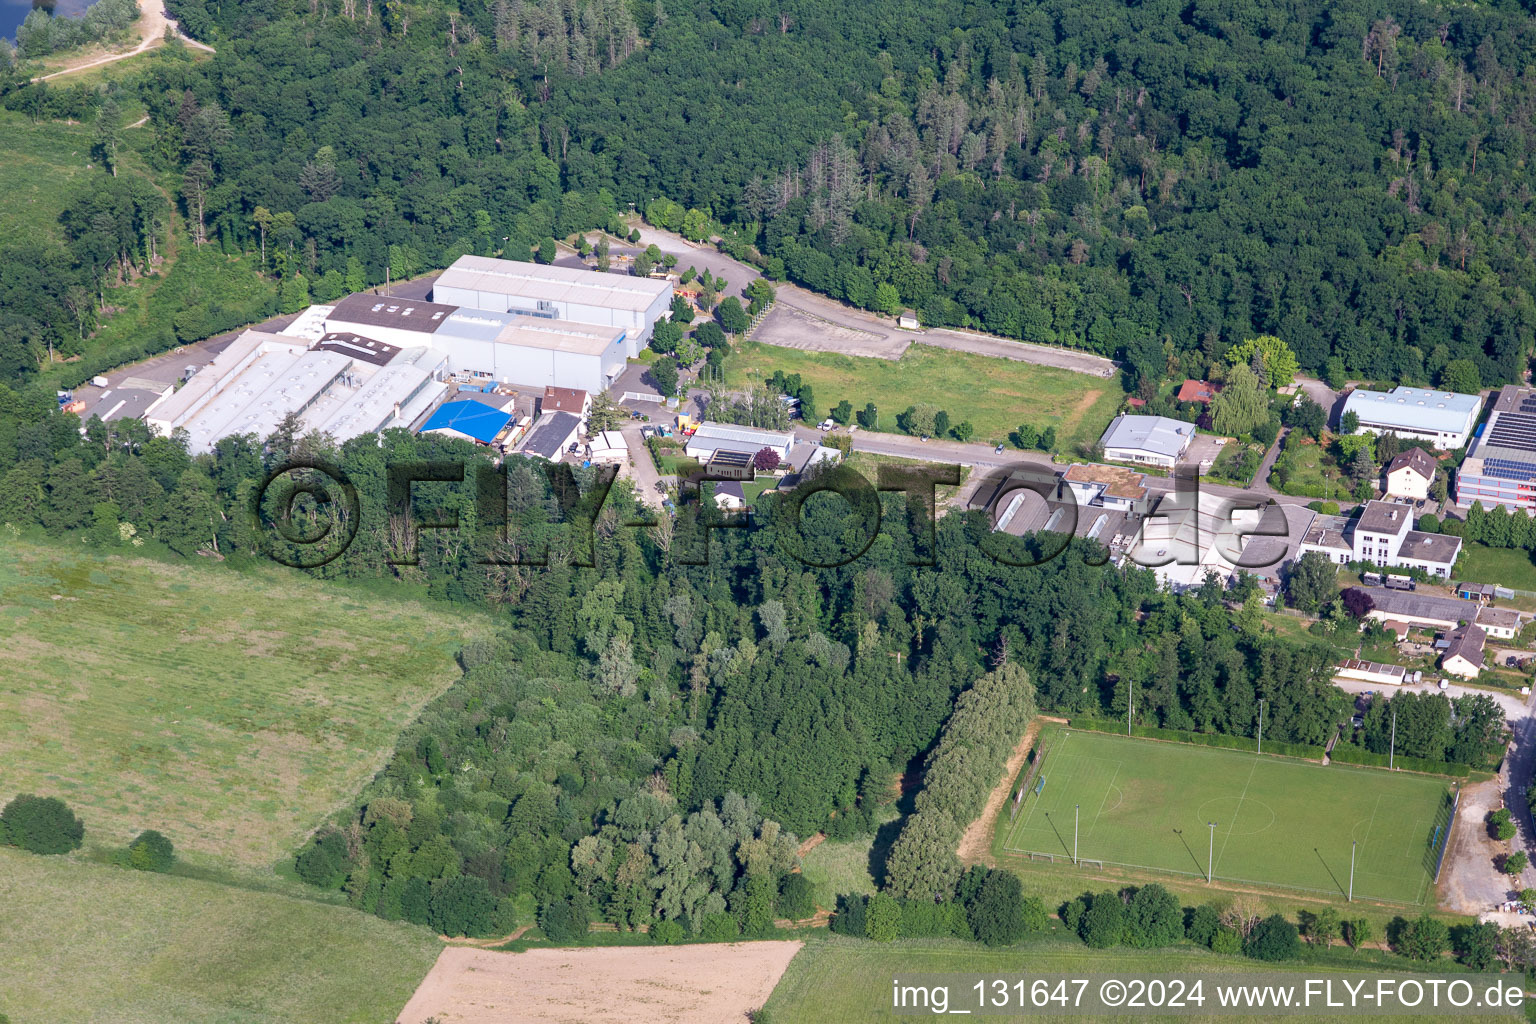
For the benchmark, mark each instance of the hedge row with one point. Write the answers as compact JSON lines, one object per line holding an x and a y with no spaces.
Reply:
{"x":1204,"y":739}
{"x":1346,"y":753}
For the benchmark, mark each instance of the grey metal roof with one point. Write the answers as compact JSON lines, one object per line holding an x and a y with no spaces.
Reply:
{"x":1420,"y":606}
{"x":475,"y":324}
{"x":1158,"y":434}
{"x":728,"y":435}
{"x":546,"y":281}
{"x":1414,"y":409}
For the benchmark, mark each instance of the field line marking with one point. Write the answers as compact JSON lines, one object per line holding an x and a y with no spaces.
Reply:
{"x":1113,"y":776}
{"x":1055,"y":751}
{"x":1240,"y":797}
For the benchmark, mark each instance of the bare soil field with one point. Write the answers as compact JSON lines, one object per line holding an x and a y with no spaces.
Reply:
{"x":697,"y":984}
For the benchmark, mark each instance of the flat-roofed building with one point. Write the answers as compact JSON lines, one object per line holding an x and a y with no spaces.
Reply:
{"x":404,"y":323}
{"x":632,"y":304}
{"x":1371,"y":672}
{"x":1113,"y":487}
{"x":724,"y":437}
{"x":1500,"y":467}
{"x":1443,"y":418}
{"x":531,"y":351}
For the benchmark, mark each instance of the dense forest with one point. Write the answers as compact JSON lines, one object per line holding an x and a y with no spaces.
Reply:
{"x":1154,"y":181}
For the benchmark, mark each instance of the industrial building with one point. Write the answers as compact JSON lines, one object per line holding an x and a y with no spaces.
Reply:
{"x":630,"y":304}
{"x":339,"y":387}
{"x":1500,"y":468}
{"x":468,"y":420}
{"x":490,"y":344}
{"x":1443,"y":418}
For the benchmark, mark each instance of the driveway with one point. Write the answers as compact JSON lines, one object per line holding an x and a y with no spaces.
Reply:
{"x":640,"y":469}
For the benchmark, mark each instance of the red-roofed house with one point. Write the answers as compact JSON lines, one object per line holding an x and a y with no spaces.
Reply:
{"x":1197,"y":391}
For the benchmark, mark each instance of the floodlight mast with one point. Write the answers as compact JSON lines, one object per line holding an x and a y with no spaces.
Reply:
{"x":1261,"y":725}
{"x":1210,"y":856}
{"x":1352,"y":845}
{"x":1075,"y":809}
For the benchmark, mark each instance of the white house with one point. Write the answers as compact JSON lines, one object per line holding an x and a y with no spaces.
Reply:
{"x":1502,"y":623}
{"x":1443,"y":418}
{"x":1155,"y":440}
{"x":1410,"y":474}
{"x":1383,"y":535}
{"x":1464,"y":655}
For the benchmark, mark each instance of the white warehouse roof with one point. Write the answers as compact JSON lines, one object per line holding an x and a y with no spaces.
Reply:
{"x":542,"y":281}
{"x":560,"y":335}
{"x":1444,"y":412}
{"x":1158,"y":434}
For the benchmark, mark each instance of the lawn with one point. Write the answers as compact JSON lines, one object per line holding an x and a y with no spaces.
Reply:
{"x":231,"y":711}
{"x":1309,"y":470}
{"x":995,"y":395}
{"x":87,"y":942}
{"x":849,"y":980}
{"x":1506,"y":567}
{"x":1279,"y":822}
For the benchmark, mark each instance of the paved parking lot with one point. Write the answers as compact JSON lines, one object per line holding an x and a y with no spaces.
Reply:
{"x":791,"y":327}
{"x":1204,"y":449}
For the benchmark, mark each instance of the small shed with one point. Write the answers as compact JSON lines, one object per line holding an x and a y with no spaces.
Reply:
{"x":907,"y":320}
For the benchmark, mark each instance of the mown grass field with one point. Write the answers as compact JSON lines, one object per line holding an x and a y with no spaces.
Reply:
{"x":1279,"y":822}
{"x":995,"y":395}
{"x":849,"y":980}
{"x":1507,"y":567}
{"x":231,"y":711}
{"x":87,"y":942}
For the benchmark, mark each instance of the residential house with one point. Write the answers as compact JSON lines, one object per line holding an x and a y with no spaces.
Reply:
{"x":1383,"y":535}
{"x":1464,"y":654}
{"x":1500,"y":623}
{"x":1197,"y":391}
{"x":1410,"y":474}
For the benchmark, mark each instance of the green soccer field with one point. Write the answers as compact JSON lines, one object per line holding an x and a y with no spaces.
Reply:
{"x":1279,"y":822}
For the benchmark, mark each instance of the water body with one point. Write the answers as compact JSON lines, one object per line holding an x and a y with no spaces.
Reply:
{"x":14,"y":12}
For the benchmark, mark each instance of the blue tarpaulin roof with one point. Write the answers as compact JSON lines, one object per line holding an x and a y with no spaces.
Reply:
{"x":476,"y":419}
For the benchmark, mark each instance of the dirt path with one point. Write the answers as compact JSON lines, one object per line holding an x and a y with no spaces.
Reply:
{"x":486,"y":943}
{"x":152,"y":23}
{"x":976,"y":843}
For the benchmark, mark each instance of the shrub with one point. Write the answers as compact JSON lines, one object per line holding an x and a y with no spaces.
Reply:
{"x":882,"y":917}
{"x":797,"y":897}
{"x":1274,"y":938}
{"x":42,"y":824}
{"x":1104,"y":921}
{"x":1203,"y":924}
{"x":719,"y":928}
{"x":1424,"y":939}
{"x":566,"y":921}
{"x":151,"y":851}
{"x":323,"y":863}
{"x":1501,"y":824}
{"x":996,"y":912}
{"x":667,"y":933}
{"x":1034,"y":915}
{"x":1227,"y":941}
{"x":463,"y":905}
{"x":849,"y":918}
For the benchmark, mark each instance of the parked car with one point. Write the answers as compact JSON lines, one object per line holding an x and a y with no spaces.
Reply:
{"x":826,"y":425}
{"x":998,"y":450}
